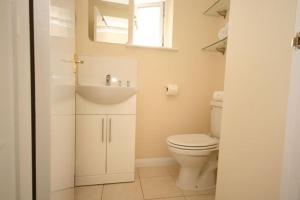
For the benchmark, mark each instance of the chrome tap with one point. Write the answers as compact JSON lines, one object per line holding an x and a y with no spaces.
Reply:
{"x":108,"y":79}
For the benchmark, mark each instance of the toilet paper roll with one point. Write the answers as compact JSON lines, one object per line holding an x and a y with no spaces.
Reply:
{"x":171,"y":89}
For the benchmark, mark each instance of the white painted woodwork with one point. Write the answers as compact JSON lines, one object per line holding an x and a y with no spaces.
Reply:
{"x":61,"y":37}
{"x":119,"y":160}
{"x":8,"y":184}
{"x":290,"y":187}
{"x":105,"y":149}
{"x":86,"y":107}
{"x":121,"y":143}
{"x":63,"y":146}
{"x":104,"y":179}
{"x":90,"y":145}
{"x":15,"y":103}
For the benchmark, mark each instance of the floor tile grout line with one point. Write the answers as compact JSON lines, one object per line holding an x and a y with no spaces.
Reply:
{"x":156,"y":176}
{"x":169,"y":171}
{"x":159,"y":198}
{"x":102,"y":192}
{"x":162,"y":198}
{"x":169,"y":175}
{"x":138,"y":172}
{"x":183,"y":195}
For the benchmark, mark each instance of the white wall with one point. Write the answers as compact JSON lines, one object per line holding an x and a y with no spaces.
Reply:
{"x":291,"y":174}
{"x":256,"y":92}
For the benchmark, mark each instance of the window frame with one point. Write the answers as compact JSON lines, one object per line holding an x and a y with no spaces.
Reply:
{"x":162,"y":6}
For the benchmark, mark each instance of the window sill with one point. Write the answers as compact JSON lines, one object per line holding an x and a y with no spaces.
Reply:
{"x":151,"y":47}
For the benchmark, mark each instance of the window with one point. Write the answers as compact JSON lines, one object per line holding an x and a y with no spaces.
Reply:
{"x":152,"y":23}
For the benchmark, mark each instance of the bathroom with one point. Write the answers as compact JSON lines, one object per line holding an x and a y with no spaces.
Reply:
{"x":149,"y":99}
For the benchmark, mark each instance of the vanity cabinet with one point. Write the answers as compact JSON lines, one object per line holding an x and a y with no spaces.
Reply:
{"x":105,"y":149}
{"x":105,"y":129}
{"x":120,"y":144}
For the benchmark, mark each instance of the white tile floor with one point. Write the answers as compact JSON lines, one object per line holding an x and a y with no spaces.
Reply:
{"x":151,"y":183}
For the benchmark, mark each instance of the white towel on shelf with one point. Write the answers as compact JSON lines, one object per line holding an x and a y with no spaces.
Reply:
{"x":218,"y":95}
{"x":223,"y":33}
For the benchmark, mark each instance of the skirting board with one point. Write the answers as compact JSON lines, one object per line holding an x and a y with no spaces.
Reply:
{"x":155,"y":162}
{"x":103,"y":179}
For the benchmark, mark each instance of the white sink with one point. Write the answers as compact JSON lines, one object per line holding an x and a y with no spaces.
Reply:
{"x":102,"y":94}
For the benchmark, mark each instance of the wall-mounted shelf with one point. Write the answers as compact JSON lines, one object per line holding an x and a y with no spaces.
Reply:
{"x":219,"y":8}
{"x":219,"y":46}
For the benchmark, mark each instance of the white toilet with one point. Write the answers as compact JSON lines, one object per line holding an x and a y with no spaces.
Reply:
{"x":197,"y":153}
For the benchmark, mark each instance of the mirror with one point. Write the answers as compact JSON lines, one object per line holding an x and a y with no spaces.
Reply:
{"x":109,"y":21}
{"x":136,"y":22}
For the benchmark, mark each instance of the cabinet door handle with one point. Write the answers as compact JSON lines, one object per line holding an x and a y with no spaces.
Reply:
{"x":109,"y":130}
{"x":102,"y":130}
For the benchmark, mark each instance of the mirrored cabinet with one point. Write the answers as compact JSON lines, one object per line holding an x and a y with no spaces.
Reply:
{"x":147,"y":23}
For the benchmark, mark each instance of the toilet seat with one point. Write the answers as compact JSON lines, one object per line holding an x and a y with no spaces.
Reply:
{"x":192,"y":152}
{"x":192,"y":142}
{"x":192,"y":148}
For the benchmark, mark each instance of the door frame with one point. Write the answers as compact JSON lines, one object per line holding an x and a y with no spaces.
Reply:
{"x":41,"y":81}
{"x":18,"y":48}
{"x":32,"y":86}
{"x":290,"y":186}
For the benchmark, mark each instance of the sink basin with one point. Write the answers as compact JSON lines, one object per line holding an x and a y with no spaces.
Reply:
{"x":102,"y":94}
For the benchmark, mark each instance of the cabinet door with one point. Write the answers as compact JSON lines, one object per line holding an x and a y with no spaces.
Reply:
{"x":90,"y":145}
{"x":120,"y":143}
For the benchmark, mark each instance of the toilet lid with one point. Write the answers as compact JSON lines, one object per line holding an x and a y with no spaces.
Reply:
{"x":193,"y":140}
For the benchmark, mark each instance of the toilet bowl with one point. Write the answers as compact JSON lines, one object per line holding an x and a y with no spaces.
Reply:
{"x":197,"y":153}
{"x":193,"y":152}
